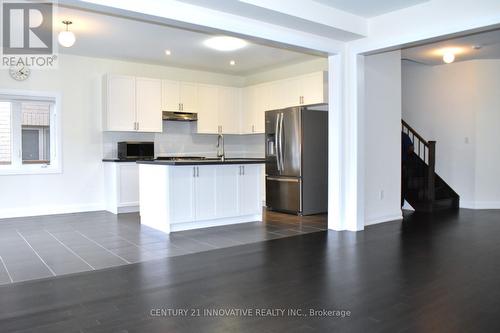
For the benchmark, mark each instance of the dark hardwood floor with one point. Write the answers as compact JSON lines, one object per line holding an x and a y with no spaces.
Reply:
{"x":429,"y":273}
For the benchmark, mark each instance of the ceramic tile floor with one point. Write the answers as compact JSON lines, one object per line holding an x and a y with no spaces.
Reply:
{"x":45,"y":246}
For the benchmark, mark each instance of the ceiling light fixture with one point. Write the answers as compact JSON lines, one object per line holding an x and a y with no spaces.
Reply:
{"x":232,"y":63}
{"x":448,"y":57}
{"x":167,"y":52}
{"x":67,"y":38}
{"x":225,"y":43}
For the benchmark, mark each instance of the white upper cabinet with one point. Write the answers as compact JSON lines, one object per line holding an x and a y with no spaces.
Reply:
{"x":208,"y":99}
{"x":132,"y":104}
{"x":219,"y":109}
{"x":288,"y":93}
{"x":300,"y":90}
{"x":179,"y":96}
{"x":229,"y":110}
{"x":314,"y":88}
{"x":171,"y":92}
{"x":256,"y":100}
{"x":148,"y":101}
{"x":248,"y":110}
{"x":189,"y":97}
{"x":119,"y":103}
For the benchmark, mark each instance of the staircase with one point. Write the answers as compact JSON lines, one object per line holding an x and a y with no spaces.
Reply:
{"x":426,"y":191}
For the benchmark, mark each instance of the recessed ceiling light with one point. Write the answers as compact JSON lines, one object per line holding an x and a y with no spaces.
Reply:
{"x":167,"y":52}
{"x":448,"y":57}
{"x":232,"y":62}
{"x":225,"y":43}
{"x":476,"y":47}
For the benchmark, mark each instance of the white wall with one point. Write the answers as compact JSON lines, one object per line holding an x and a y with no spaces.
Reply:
{"x":5,"y":153}
{"x":487,"y":189}
{"x":458,"y":105}
{"x":382,"y":137}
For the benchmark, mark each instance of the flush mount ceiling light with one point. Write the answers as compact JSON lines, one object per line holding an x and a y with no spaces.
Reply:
{"x":225,"y":43}
{"x":168,"y":52}
{"x":232,"y":63}
{"x":67,"y":38}
{"x":448,"y":57}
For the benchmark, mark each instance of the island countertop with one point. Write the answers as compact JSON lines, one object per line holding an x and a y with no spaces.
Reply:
{"x":207,"y":161}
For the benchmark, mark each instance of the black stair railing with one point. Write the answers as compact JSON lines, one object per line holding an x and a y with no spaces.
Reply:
{"x":425,"y":151}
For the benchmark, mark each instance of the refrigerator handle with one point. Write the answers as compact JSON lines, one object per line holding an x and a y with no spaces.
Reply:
{"x":281,"y":142}
{"x":276,"y":140}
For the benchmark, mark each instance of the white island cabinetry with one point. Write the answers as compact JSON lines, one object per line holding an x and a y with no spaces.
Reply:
{"x":183,"y":197}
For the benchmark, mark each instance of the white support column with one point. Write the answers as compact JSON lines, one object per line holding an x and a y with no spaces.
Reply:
{"x":346,"y":168}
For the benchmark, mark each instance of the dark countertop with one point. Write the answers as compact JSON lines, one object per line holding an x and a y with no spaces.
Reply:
{"x":119,"y":160}
{"x":208,"y":161}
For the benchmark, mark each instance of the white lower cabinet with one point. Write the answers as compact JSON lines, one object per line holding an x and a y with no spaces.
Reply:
{"x":205,"y":191}
{"x":122,"y":187}
{"x":227,"y":190}
{"x":208,"y":195}
{"x":249,"y":191}
{"x":182,"y":194}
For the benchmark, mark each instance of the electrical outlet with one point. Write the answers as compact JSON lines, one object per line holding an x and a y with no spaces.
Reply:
{"x":381,"y":194}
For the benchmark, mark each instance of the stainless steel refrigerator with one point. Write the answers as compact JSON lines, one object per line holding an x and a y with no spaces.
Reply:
{"x":297,"y":160}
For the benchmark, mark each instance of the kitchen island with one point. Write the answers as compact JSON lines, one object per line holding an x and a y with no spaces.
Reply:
{"x":189,"y":194}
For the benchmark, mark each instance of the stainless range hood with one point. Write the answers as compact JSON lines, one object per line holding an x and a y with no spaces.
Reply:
{"x":179,"y":116}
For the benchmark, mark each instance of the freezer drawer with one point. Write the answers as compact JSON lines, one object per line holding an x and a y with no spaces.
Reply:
{"x":284,"y":194}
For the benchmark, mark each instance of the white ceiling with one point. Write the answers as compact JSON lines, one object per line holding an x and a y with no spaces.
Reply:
{"x":370,"y":8}
{"x":99,"y":35}
{"x":431,"y":54}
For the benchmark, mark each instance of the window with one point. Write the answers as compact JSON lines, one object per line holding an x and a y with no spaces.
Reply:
{"x":28,"y":140}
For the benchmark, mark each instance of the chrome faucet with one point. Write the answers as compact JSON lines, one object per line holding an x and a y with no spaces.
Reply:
{"x":220,"y":147}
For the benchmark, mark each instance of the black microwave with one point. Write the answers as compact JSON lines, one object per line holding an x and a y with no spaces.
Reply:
{"x":136,"y":150}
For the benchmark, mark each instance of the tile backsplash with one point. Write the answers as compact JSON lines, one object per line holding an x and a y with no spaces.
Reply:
{"x":181,"y":139}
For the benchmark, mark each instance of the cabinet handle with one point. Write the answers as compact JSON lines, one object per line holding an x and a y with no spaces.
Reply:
{"x":137,"y":125}
{"x":253,"y":128}
{"x":194,"y":172}
{"x":182,"y":106}
{"x":242,"y":170}
{"x":179,"y":106}
{"x":197,"y":171}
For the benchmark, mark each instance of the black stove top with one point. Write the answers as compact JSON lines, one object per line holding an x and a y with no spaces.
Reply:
{"x":180,"y":158}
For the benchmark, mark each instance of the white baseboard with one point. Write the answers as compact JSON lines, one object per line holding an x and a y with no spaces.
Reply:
{"x":382,"y":219}
{"x":49,"y":210}
{"x":216,"y":222}
{"x":128,"y":209}
{"x":480,"y":204}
